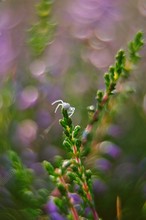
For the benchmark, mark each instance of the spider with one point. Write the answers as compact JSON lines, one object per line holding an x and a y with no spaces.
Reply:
{"x":64,"y":105}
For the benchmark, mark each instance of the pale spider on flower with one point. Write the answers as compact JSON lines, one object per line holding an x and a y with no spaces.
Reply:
{"x":64,"y":105}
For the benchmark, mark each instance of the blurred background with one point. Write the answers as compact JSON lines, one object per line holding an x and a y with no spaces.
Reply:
{"x":52,"y":50}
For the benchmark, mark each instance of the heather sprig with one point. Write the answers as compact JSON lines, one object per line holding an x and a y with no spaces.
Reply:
{"x":42,"y":32}
{"x":134,"y":47}
{"x":124,"y":64}
{"x":22,"y":189}
{"x":72,"y":174}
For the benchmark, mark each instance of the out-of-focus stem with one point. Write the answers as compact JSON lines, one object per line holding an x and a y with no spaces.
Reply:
{"x":119,"y":210}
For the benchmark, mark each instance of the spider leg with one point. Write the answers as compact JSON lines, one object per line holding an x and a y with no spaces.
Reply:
{"x":71,"y":111}
{"x":70,"y":114}
{"x":58,"y":107}
{"x":59,"y":100}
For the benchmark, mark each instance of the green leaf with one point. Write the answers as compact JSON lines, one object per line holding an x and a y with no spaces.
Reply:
{"x":67,"y":144}
{"x":76,"y":131}
{"x":72,"y":176}
{"x":134,"y":47}
{"x":63,"y":123}
{"x":112,"y":72}
{"x":61,"y":188}
{"x":99,"y":95}
{"x":120,"y":61}
{"x":78,"y":143}
{"x":48,"y":166}
{"x":107,"y":80}
{"x":88,"y":174}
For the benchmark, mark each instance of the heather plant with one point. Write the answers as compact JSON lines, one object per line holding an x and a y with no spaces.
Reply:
{"x":98,"y":170}
{"x":73,"y":181}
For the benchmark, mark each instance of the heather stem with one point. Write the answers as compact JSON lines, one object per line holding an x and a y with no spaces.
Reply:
{"x":71,"y":207}
{"x":85,"y":186}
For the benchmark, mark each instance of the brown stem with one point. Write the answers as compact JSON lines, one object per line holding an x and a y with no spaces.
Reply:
{"x":94,"y":119}
{"x":95,"y":214}
{"x":119,"y":212}
{"x":74,"y":213}
{"x":84,"y":182}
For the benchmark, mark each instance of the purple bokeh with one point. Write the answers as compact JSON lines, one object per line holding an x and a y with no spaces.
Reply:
{"x":102,"y":164}
{"x":50,"y":207}
{"x":99,"y":186}
{"x":110,"y":149}
{"x":57,"y":216}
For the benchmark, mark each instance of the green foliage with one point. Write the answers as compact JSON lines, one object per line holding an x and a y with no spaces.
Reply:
{"x":28,"y":200}
{"x":117,"y":71}
{"x":102,"y":169}
{"x":73,"y":168}
{"x":42,"y":32}
{"x":134,"y":47}
{"x":119,"y":68}
{"x":6,"y":114}
{"x":70,"y":174}
{"x":48,"y":167}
